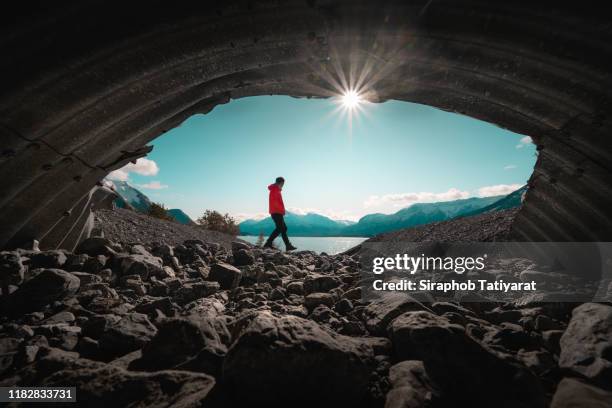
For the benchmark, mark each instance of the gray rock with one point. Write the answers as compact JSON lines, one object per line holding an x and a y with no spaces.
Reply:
{"x":320,"y":283}
{"x":87,"y":278}
{"x":180,"y":341}
{"x":586,"y":345}
{"x":243,"y":257}
{"x":411,"y":387}
{"x":286,"y":360}
{"x":573,"y":393}
{"x":295,"y":287}
{"x":381,"y":312}
{"x":343,"y":306}
{"x":61,"y":317}
{"x":472,"y":373}
{"x":106,"y":385}
{"x":11,"y":269}
{"x":137,"y":264}
{"x":130,"y":333}
{"x":95,"y":246}
{"x":239,"y":245}
{"x":48,"y":259}
{"x":48,"y":286}
{"x":95,"y":264}
{"x":315,"y":299}
{"x":226,"y":275}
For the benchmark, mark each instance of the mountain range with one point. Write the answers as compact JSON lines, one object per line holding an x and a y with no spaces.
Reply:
{"x":317,"y":225}
{"x":417,"y":214}
{"x":133,"y":199}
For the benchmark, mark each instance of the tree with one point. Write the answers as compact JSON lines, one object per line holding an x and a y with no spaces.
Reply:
{"x":214,"y":220}
{"x":158,"y":210}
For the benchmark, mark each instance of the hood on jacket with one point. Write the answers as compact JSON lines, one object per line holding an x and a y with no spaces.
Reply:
{"x":273,"y":186}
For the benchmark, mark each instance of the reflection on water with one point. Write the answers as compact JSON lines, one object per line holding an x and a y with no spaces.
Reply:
{"x":329,"y":245}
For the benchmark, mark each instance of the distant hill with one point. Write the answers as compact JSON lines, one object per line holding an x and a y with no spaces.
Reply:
{"x":373,"y":224}
{"x":417,"y":214}
{"x":132,"y":198}
{"x":180,"y":216}
{"x":512,"y":200}
{"x":308,"y":225}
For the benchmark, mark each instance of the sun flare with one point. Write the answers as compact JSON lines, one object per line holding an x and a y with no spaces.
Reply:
{"x":351,"y":99}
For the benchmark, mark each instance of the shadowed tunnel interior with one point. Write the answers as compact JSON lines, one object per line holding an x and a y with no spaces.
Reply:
{"x":86,"y":84}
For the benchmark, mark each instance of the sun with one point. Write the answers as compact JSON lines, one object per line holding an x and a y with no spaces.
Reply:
{"x":351,"y":99}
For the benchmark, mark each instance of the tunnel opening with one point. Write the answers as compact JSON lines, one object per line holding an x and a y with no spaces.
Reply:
{"x":353,"y":168}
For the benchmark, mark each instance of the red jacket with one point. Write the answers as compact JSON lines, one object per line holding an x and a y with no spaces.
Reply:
{"x":276,"y":200}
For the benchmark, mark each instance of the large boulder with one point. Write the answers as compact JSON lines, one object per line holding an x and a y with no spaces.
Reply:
{"x":46,"y":287}
{"x":586,"y":345}
{"x":107,"y":385}
{"x":290,"y":361}
{"x":573,"y":393}
{"x":180,"y":341}
{"x":227,"y":275}
{"x":463,"y":368}
{"x":127,"y":334}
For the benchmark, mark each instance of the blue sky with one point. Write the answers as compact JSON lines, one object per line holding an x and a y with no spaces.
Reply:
{"x":390,"y":156}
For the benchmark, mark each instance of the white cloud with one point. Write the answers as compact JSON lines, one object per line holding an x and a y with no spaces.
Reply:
{"x":402,"y":200}
{"x":510,"y":167}
{"x":153,"y":185}
{"x":143,"y":166}
{"x":523,"y":142}
{"x":499,"y":189}
{"x":118,"y":174}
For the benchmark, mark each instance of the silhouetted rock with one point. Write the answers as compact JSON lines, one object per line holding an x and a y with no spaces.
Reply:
{"x":129,"y":333}
{"x":574,"y":393}
{"x":289,"y":361}
{"x":11,"y":269}
{"x":179,"y":341}
{"x":461,"y":366}
{"x":105,"y":385}
{"x":47,"y":286}
{"x":586,"y":345}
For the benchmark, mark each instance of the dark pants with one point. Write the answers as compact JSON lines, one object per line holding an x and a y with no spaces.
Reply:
{"x":281,"y":229}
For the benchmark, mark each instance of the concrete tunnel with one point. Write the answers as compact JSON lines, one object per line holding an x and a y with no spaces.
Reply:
{"x":87,"y":84}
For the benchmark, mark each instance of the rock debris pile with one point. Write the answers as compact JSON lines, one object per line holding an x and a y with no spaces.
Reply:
{"x":200,"y":324}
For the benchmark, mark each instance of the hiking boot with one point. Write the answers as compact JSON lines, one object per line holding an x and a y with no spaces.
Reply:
{"x":290,"y":248}
{"x":268,"y":245}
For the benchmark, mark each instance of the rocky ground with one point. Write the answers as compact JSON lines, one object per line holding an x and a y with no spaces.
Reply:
{"x":199,"y":324}
{"x":121,"y":225}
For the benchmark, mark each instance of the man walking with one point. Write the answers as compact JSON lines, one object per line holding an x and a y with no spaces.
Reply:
{"x":277,"y":211}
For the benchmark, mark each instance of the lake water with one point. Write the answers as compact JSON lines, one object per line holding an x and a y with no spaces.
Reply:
{"x":329,"y":245}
